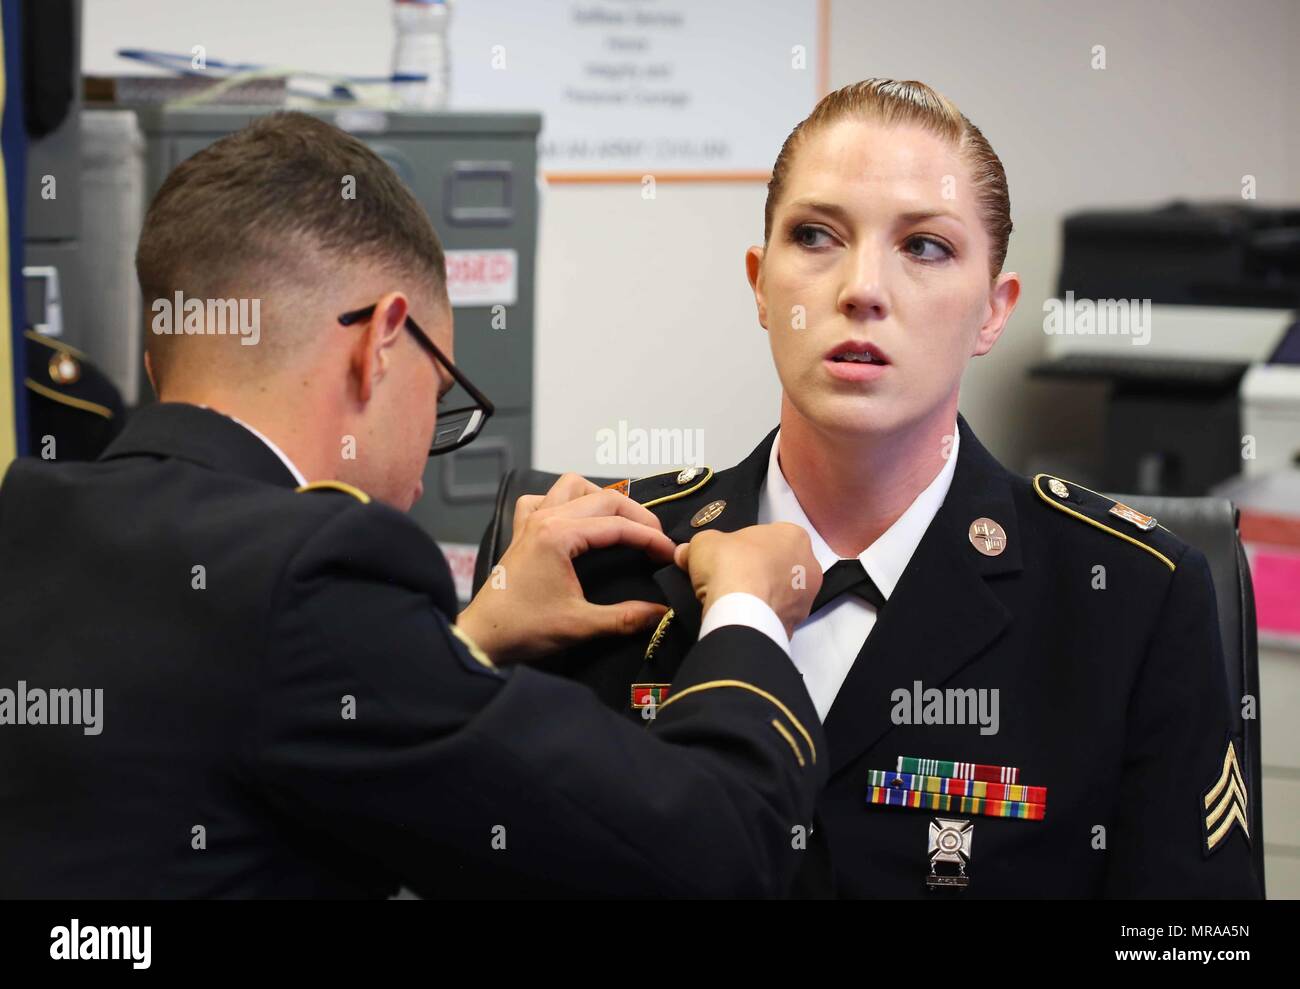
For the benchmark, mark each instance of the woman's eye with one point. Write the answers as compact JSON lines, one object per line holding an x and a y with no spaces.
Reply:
{"x":917,"y":247}
{"x":808,"y":235}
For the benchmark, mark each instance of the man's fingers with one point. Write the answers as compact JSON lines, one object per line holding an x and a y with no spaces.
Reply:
{"x":525,"y":506}
{"x":567,"y":488}
{"x":602,"y":502}
{"x":682,"y":556}
{"x":620,"y":619}
{"x":582,"y":535}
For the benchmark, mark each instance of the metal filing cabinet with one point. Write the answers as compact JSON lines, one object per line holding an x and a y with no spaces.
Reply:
{"x":53,"y":218}
{"x":475,"y":175}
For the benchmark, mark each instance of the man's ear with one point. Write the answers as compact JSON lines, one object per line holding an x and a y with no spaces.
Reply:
{"x":374,"y":347}
{"x":1002,"y":302}
{"x":148,"y":373}
{"x":754,"y":272}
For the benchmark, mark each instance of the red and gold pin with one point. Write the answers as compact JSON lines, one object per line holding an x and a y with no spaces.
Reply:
{"x":649,"y":694}
{"x":1143,"y":522}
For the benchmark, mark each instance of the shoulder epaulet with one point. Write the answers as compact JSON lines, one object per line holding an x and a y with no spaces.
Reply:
{"x":660,"y":488}
{"x":343,"y":486}
{"x":64,"y":367}
{"x":1106,"y":514}
{"x":52,"y":343}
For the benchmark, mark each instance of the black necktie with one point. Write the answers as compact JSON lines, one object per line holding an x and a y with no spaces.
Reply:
{"x":847,"y":577}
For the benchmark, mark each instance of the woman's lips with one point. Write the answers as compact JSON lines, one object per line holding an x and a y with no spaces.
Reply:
{"x":856,"y":360}
{"x":854,"y":370}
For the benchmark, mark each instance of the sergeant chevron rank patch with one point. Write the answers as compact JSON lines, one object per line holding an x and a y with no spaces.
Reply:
{"x":1224,"y":803}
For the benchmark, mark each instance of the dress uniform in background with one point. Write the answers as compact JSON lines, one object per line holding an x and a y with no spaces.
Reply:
{"x":73,"y":410}
{"x":38,"y":45}
{"x":1111,"y":771}
{"x":286,"y":709}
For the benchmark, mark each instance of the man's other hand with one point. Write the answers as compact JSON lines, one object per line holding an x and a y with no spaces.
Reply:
{"x":773,"y":562}
{"x":532,"y":603}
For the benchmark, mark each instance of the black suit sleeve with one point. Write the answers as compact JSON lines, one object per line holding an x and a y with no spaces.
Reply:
{"x":1178,"y":733}
{"x":379,"y":729}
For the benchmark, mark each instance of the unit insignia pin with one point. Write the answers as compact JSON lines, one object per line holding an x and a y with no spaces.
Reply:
{"x":64,"y":369}
{"x":707,"y":514}
{"x":688,"y":475}
{"x":987,"y":536}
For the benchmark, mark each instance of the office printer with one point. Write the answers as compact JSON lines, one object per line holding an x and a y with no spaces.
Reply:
{"x":1171,"y":307}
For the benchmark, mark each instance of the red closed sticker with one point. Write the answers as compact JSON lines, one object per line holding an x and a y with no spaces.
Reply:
{"x":483,"y":278}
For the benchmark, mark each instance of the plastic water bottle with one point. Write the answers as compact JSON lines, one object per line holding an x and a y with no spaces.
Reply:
{"x":421,"y":48}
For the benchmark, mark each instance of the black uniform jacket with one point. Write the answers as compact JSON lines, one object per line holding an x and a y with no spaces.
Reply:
{"x":286,"y":710}
{"x":1100,"y":638}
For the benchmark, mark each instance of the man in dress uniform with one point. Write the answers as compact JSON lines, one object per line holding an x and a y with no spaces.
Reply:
{"x":232,"y":666}
{"x":1021,"y":681}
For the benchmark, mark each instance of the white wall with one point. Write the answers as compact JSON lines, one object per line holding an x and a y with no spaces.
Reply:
{"x":1196,"y":93}
{"x":343,"y":36}
{"x":643,"y":310}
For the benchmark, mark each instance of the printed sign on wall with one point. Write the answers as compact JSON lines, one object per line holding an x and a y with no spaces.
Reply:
{"x":632,"y":87}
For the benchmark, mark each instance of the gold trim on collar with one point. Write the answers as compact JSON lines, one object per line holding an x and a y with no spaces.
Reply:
{"x":76,"y":403}
{"x":1093,"y":522}
{"x":708,"y":475}
{"x":343,"y":486}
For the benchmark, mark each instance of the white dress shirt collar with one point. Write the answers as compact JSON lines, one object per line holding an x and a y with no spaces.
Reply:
{"x":284,"y":458}
{"x":886,"y":558}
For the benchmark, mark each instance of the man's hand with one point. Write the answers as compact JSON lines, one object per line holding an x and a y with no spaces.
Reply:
{"x":532,"y":603}
{"x":773,"y":562}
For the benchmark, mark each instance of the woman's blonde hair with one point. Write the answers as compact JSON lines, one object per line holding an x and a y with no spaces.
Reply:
{"x":889,"y":101}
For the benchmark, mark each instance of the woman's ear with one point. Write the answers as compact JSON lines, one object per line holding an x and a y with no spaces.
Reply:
{"x":1002,"y":302}
{"x":754,"y":272}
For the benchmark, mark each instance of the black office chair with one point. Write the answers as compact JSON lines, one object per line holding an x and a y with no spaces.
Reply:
{"x":1209,"y":524}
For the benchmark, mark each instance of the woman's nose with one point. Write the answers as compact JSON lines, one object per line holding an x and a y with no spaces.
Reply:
{"x":862,"y":295}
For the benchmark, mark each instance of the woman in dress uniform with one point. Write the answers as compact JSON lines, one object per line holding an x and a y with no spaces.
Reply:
{"x":1021,"y":681}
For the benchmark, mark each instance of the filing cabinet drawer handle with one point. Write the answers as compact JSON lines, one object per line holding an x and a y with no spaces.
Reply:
{"x":458,"y":492}
{"x":479,"y":216}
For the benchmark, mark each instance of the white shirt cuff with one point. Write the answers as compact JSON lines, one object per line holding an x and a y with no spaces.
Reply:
{"x":738,"y":608}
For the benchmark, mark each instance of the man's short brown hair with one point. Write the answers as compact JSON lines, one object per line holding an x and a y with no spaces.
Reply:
{"x":285,"y":192}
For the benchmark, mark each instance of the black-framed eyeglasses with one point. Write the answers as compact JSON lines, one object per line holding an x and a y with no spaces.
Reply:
{"x":458,"y":426}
